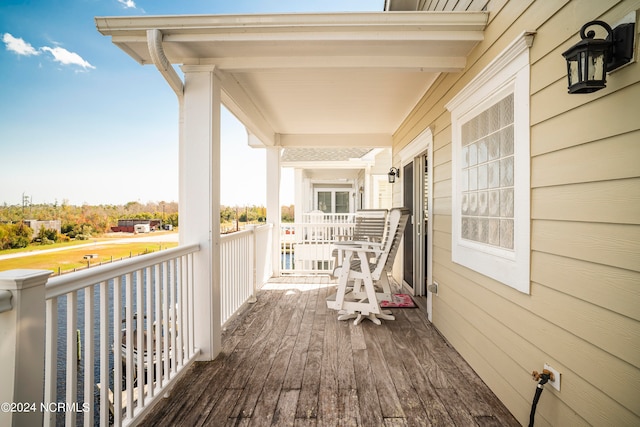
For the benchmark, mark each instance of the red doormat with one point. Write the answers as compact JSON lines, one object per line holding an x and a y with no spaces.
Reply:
{"x":399,"y":301}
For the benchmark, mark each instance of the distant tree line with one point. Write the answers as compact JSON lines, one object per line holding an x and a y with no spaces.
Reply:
{"x":82,"y":222}
{"x":77,"y":222}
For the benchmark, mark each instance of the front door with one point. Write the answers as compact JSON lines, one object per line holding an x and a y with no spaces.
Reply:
{"x":416,"y":236}
{"x":407,"y":197}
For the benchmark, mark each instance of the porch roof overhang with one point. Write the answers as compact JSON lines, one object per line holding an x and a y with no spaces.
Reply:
{"x":312,"y":80}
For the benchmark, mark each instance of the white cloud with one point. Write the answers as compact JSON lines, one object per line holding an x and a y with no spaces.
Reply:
{"x":18,"y":45}
{"x":128,"y":4}
{"x":65,"y":57}
{"x":61,"y":55}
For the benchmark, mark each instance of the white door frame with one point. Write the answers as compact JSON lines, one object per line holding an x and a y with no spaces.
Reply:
{"x":421,"y":144}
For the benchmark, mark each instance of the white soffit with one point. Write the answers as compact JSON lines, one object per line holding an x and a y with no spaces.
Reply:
{"x":306,"y":74}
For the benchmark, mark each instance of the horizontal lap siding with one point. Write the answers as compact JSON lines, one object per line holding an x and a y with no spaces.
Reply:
{"x":583,"y":313}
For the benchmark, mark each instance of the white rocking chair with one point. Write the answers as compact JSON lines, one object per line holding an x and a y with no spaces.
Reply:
{"x":362,"y":300}
{"x":370,"y":226}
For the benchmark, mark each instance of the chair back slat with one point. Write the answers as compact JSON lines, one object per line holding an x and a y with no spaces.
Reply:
{"x":370,"y":225}
{"x":397,"y":221}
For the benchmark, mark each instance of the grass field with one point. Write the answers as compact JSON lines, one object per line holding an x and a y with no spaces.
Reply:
{"x":68,"y":260}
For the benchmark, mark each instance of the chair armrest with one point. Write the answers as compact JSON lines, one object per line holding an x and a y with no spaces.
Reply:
{"x":358,"y":246}
{"x":352,"y":243}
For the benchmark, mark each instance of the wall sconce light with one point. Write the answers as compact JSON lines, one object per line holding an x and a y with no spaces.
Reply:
{"x":393,"y":173}
{"x":589,"y":60}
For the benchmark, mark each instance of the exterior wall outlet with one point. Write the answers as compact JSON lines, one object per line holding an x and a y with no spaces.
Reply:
{"x":556,"y":375}
{"x":433,"y":288}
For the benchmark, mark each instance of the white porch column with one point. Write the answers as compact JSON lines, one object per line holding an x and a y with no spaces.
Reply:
{"x":367,"y":183}
{"x":301,"y":196}
{"x":22,"y":337}
{"x":200,"y":199}
{"x":273,"y":203}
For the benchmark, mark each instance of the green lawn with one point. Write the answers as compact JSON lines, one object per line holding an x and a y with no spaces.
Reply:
{"x":33,"y":247}
{"x":68,"y":260}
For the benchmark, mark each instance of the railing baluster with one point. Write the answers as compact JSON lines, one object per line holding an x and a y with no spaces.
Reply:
{"x":139,"y":357}
{"x":89,"y":377}
{"x":51,"y":360}
{"x":150,"y":334}
{"x":184,"y":303}
{"x":117,"y":350}
{"x":191,"y":306}
{"x":129,"y":357}
{"x":158,"y":319}
{"x":179,"y":338}
{"x":173,"y":317}
{"x":104,"y":353}
{"x":72,"y":356}
{"x":168,"y":332}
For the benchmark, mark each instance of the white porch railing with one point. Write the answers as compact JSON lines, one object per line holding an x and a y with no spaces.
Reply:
{"x":245,"y":264}
{"x":327,"y":218}
{"x":99,"y":320}
{"x":307,"y":247}
{"x":83,"y":328}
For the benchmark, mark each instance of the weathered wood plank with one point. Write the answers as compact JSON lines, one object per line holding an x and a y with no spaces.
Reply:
{"x":295,"y":370}
{"x":328,"y":395}
{"x":218,"y":412}
{"x":308,"y":400}
{"x":370,"y":412}
{"x":407,"y":395}
{"x":417,"y":367}
{"x":262,"y":361}
{"x":285,"y":413}
{"x":389,"y":401}
{"x":268,"y":400}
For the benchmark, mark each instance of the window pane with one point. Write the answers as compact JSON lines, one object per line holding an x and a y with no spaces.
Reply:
{"x":324,"y":201}
{"x":342,"y":202}
{"x":487,"y":163}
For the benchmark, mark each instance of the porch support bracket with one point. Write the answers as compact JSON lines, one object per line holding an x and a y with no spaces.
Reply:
{"x":154,"y":42}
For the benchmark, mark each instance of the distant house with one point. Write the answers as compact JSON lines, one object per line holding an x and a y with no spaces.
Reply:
{"x":129,"y":225}
{"x":35,"y":225}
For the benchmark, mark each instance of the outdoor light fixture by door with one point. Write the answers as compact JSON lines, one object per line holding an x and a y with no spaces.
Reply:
{"x":393,"y":172}
{"x":589,"y":60}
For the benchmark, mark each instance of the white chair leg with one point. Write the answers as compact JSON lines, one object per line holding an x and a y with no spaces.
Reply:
{"x":347,"y":316}
{"x":386,"y":315}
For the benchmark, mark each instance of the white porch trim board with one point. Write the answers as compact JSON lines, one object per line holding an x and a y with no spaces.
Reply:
{"x":200,"y":192}
{"x":273,"y":203}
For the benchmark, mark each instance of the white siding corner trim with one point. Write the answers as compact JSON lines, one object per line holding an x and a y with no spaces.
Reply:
{"x":491,"y":169}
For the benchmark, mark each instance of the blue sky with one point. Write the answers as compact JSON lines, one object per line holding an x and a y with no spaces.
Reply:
{"x":82,"y":122}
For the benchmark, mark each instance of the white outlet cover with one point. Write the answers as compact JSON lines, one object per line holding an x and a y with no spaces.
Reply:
{"x":556,"y":375}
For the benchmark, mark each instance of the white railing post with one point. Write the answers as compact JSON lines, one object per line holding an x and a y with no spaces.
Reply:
{"x":253,"y":245}
{"x":22,"y":341}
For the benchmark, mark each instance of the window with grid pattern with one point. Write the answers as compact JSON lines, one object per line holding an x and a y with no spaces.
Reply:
{"x":491,"y":217}
{"x":486,"y":160}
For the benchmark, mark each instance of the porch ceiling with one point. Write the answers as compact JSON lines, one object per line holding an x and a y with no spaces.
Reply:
{"x":348,"y":79}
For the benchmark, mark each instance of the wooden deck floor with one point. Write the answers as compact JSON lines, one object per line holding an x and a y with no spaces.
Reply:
{"x":288,"y":361}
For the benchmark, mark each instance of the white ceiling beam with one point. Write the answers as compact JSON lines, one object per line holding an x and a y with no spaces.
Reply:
{"x":409,"y":63}
{"x":373,"y":36}
{"x":335,"y":140}
{"x":346,"y":164}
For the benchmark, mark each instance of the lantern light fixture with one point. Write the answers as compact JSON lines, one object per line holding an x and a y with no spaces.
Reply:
{"x":393,"y":173}
{"x":589,"y":60}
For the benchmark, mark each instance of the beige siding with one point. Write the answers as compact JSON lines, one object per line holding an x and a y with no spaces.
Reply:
{"x":583,"y":313}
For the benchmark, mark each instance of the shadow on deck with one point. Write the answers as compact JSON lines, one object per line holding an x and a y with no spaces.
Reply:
{"x":287,"y":360}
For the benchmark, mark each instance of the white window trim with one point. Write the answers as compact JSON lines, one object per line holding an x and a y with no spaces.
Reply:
{"x":333,"y":191}
{"x":507,"y":73}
